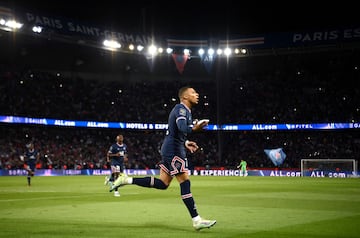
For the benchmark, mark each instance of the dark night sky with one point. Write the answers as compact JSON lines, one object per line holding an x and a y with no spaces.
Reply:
{"x":200,"y":18}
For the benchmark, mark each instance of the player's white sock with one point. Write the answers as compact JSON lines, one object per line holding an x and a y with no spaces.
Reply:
{"x":197,"y":218}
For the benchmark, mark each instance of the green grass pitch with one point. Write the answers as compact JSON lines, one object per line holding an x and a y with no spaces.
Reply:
{"x":271,"y":207}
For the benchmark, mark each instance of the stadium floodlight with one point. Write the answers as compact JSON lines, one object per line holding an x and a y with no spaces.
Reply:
{"x":13,"y":24}
{"x":9,"y":25}
{"x":329,"y":168}
{"x":169,"y":50}
{"x":186,"y":52}
{"x":211,"y":51}
{"x":140,"y":47}
{"x":37,"y":29}
{"x":152,"y":50}
{"x":201,"y":51}
{"x":112,"y":44}
{"x":227,"y":51}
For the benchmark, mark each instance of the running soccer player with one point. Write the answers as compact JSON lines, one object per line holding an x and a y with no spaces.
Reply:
{"x":30,"y":158}
{"x":174,"y":163}
{"x":116,"y":155}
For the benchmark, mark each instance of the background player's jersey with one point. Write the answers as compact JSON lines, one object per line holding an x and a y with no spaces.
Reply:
{"x":174,"y":142}
{"x":116,"y":148}
{"x":30,"y":158}
{"x":243,"y":165}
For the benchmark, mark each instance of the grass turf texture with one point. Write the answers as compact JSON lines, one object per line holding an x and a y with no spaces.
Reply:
{"x":81,"y":206}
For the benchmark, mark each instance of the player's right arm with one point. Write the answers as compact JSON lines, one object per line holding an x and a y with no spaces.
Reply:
{"x":191,"y":146}
{"x":184,"y":127}
{"x":200,"y":125}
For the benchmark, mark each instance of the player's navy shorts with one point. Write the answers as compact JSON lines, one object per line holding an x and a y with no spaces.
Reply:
{"x":30,"y":167}
{"x":174,"y":165}
{"x":117,"y":168}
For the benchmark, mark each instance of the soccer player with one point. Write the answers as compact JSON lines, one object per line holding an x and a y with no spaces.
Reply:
{"x":118,"y":154}
{"x":173,"y":153}
{"x":30,"y":158}
{"x":243,"y":168}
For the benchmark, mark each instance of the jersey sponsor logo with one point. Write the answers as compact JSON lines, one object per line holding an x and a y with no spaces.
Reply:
{"x":182,"y":111}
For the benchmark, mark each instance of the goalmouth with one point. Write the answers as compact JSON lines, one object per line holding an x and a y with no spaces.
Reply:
{"x":334,"y":168}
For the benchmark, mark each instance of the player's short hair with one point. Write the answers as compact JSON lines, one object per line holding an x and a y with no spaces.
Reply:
{"x":182,"y":90}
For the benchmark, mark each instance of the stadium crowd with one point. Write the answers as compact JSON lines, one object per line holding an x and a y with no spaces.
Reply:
{"x":293,"y":88}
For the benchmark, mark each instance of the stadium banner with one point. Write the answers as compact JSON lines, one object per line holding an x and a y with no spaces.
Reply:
{"x":201,"y":172}
{"x":164,"y":126}
{"x":55,"y":26}
{"x":208,"y":61}
{"x":65,"y":172}
{"x":251,"y":172}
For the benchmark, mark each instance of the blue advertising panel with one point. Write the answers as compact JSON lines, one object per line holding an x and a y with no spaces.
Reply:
{"x":163,"y":126}
{"x":201,"y":172}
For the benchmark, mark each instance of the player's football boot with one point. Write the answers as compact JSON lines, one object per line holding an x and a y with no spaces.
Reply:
{"x":120,"y":181}
{"x":202,"y":223}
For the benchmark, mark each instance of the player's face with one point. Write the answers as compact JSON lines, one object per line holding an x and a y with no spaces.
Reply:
{"x":193,"y":96}
{"x":120,"y":138}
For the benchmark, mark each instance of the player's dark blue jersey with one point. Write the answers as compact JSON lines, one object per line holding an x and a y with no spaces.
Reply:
{"x":30,"y":158}
{"x":179,"y":125}
{"x":116,"y":148}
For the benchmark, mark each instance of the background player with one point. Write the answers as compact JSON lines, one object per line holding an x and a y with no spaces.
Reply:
{"x":116,"y":155}
{"x":243,"y":168}
{"x":31,"y":157}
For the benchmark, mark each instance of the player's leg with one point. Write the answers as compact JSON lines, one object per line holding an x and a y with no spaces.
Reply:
{"x":111,"y":179}
{"x":116,"y":174}
{"x":187,"y":197}
{"x":149,"y":181}
{"x":116,"y":190}
{"x":29,"y":175}
{"x":29,"y":178}
{"x":108,"y":178}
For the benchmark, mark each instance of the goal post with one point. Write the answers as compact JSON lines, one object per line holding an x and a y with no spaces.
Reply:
{"x":342,"y":168}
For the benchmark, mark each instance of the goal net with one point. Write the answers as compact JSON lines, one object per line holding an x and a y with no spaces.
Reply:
{"x":342,"y":168}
